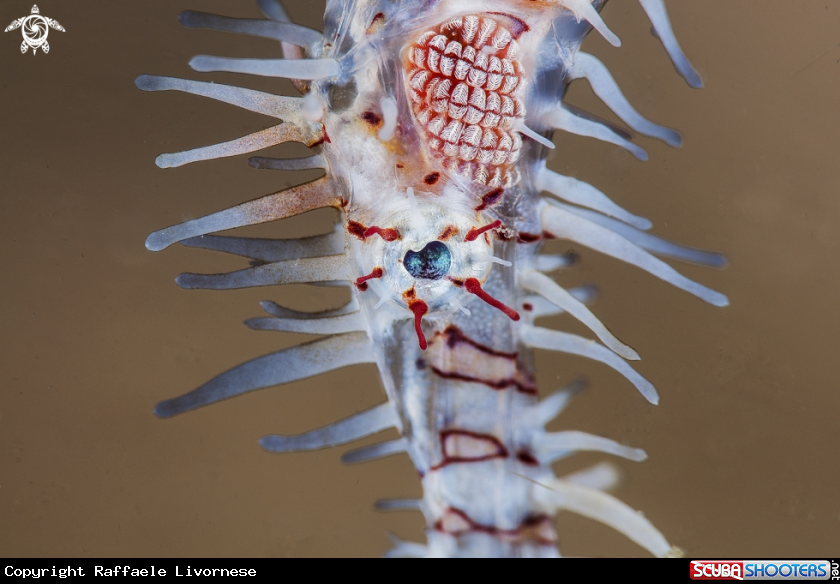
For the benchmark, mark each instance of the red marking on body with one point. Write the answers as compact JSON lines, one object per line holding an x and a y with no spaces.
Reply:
{"x":526,"y":457}
{"x":461,"y":446}
{"x":473,"y":286}
{"x":448,"y":232}
{"x":363,"y":232}
{"x":547,"y":235}
{"x":387,"y":234}
{"x":539,"y":528}
{"x":376,"y":23}
{"x":431,"y":178}
{"x":419,"y":308}
{"x":324,"y":138}
{"x":525,"y":237}
{"x":454,"y":336}
{"x":453,"y":355}
{"x":400,"y":165}
{"x":473,"y":233}
{"x":490,"y":199}
{"x":497,"y":385}
{"x":527,"y":306}
{"x":361,"y":282}
{"x":372,"y":118}
{"x":356,"y":229}
{"x":455,"y":522}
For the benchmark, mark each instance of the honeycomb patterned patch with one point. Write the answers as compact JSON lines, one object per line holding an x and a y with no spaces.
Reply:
{"x":464,"y":83}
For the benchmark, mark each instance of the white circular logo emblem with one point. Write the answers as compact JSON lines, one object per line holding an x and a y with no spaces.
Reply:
{"x":35,"y":29}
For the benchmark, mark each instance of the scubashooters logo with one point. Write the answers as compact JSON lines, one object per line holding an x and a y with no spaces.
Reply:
{"x":760,"y":570}
{"x":35,"y":29}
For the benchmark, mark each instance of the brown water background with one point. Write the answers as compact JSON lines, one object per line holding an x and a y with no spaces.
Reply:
{"x":743,"y":448}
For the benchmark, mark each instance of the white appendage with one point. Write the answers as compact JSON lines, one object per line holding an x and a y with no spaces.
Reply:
{"x":551,"y":291}
{"x":607,"y":89}
{"x":558,"y":495}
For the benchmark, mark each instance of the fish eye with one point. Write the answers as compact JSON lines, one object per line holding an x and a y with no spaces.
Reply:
{"x":431,"y":263}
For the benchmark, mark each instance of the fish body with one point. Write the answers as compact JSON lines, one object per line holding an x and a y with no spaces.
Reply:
{"x":432,"y":121}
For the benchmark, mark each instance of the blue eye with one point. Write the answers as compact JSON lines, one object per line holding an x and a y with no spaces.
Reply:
{"x":432,"y":262}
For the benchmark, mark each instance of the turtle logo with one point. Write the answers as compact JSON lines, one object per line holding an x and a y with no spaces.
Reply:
{"x":34,"y":28}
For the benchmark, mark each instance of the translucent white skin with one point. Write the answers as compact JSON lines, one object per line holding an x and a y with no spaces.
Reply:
{"x":498,"y":492}
{"x":478,"y":501}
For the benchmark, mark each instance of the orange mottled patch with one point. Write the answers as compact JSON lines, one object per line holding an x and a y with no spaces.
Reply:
{"x":464,"y":81}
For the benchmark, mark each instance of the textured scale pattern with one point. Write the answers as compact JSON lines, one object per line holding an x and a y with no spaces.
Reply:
{"x":464,"y":82}
{"x":432,"y":121}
